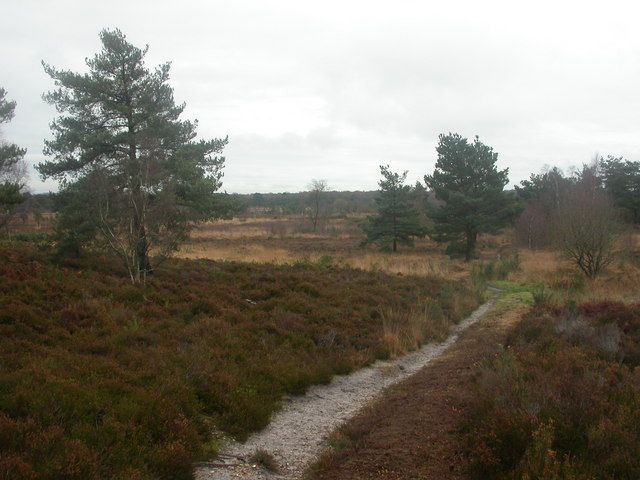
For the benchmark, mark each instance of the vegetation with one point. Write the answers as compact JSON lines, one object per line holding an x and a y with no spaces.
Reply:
{"x":288,"y":203}
{"x":470,"y":188}
{"x":621,"y":180}
{"x":12,"y":167}
{"x":561,"y":401}
{"x":107,"y":377}
{"x":103,"y":379}
{"x":121,"y":151}
{"x":542,"y":194}
{"x":317,"y":201}
{"x":397,"y":221}
{"x":265,"y":460}
{"x":585,"y":228}
{"x":576,"y":215}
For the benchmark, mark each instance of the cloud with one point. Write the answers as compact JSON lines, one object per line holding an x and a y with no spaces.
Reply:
{"x":332,"y":90}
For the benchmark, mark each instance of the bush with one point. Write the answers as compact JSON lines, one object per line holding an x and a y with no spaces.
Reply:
{"x":541,"y":295}
{"x":102,"y":379}
{"x":561,"y":401}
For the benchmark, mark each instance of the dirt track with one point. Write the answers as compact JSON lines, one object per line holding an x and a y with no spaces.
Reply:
{"x":299,"y":432}
{"x":412,"y":431}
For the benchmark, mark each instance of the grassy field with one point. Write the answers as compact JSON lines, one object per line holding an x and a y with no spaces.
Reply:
{"x":285,"y":240}
{"x":102,"y":379}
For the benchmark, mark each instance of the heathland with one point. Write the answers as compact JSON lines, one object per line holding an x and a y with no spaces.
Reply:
{"x":105,"y":379}
{"x":546,"y":387}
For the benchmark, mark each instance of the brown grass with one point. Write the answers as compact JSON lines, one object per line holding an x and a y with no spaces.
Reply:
{"x":619,"y":282}
{"x":284,"y":240}
{"x":406,"y":329}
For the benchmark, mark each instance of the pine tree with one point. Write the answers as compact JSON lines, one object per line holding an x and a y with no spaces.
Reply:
{"x":622,"y":181}
{"x":470,"y":189}
{"x":12,"y":167}
{"x":121,"y":144}
{"x":397,"y":220}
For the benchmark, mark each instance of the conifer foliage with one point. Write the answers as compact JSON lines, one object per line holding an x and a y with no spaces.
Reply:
{"x":397,"y":221}
{"x":12,"y":166}
{"x":120,"y":143}
{"x":470,"y":189}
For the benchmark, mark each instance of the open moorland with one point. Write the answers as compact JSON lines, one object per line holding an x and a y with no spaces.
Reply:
{"x":285,"y":239}
{"x":103,"y":379}
{"x":546,"y":387}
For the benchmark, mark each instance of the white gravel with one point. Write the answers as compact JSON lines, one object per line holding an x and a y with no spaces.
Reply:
{"x":298,"y":433}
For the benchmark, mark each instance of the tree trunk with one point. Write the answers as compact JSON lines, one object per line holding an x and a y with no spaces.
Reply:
{"x":395,"y":246}
{"x":472,"y":236}
{"x":140,"y":242}
{"x":141,"y":245}
{"x":315,"y":217}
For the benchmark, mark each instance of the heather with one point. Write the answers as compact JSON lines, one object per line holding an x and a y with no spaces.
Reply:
{"x":562,"y":400}
{"x":100,"y":378}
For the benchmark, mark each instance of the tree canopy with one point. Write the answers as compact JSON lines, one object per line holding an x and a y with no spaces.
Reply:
{"x":397,"y":221}
{"x":120,"y":138}
{"x":12,"y":167}
{"x":621,"y":179}
{"x":470,"y":190}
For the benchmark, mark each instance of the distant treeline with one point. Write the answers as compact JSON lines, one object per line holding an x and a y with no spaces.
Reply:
{"x":339,"y":203}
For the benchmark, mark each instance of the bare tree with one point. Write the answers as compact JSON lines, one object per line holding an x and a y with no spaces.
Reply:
{"x":585,"y":228}
{"x":317,"y":190}
{"x":532,"y":227}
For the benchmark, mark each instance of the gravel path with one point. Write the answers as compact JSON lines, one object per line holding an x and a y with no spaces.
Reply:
{"x":298,"y":432}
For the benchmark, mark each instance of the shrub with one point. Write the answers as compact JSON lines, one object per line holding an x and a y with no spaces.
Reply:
{"x":557,"y":403}
{"x":102,"y":379}
{"x":541,"y":295}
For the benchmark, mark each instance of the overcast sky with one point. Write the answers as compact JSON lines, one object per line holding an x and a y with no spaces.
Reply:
{"x":333,"y":89}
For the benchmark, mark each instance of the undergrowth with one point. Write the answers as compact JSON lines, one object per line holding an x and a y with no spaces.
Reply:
{"x":101,"y":379}
{"x":562,"y":400}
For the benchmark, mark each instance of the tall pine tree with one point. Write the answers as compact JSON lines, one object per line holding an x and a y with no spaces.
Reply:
{"x":470,"y":189}
{"x":397,"y":221}
{"x":120,"y":143}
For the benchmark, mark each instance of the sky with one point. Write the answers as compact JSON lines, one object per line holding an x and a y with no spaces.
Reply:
{"x":332,"y":89}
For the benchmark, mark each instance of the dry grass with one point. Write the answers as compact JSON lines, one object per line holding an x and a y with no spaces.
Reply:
{"x":619,"y":282}
{"x":294,"y":226}
{"x":266,"y":460}
{"x":28,"y":224}
{"x":419,"y":263}
{"x":284,"y":240}
{"x":405,"y":330}
{"x":239,"y":253}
